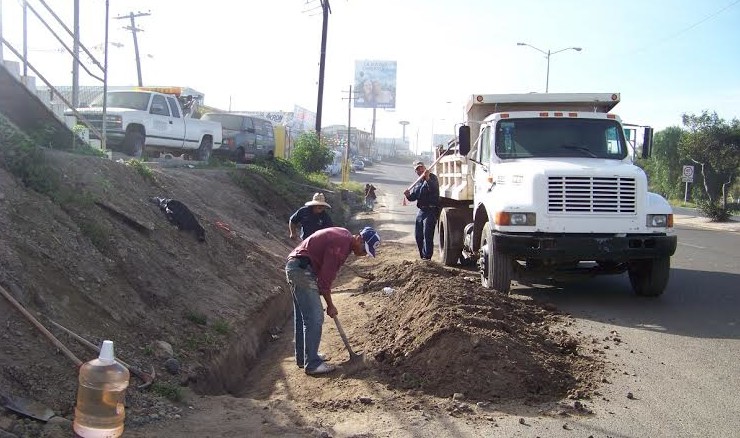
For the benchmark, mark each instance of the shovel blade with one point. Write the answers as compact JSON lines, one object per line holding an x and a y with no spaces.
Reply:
{"x":29,"y":408}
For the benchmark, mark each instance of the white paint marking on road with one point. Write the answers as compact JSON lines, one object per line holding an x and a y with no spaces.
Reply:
{"x":693,"y":246}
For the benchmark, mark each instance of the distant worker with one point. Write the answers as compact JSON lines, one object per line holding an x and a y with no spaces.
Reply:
{"x":310,"y":218}
{"x":370,"y":196}
{"x":310,"y":270}
{"x":426,"y":194}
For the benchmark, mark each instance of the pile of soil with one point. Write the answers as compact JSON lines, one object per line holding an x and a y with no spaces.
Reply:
{"x":439,"y":332}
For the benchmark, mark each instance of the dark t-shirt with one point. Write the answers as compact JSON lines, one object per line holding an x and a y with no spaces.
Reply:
{"x":310,"y":222}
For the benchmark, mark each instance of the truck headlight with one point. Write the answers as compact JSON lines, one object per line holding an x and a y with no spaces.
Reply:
{"x":515,"y":219}
{"x":660,"y":220}
{"x":114,"y":121}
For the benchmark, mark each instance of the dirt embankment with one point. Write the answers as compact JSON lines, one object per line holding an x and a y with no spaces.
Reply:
{"x":95,"y":255}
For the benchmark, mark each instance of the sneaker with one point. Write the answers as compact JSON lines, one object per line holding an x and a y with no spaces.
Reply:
{"x":322,"y":356}
{"x":324,"y":368}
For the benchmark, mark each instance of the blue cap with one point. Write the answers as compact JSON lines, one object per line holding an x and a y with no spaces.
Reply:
{"x":372,"y":240}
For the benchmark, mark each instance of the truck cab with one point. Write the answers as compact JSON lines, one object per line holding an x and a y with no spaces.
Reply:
{"x":544,"y":186}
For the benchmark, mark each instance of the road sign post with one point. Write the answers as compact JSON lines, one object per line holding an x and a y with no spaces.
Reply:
{"x":687,"y":177}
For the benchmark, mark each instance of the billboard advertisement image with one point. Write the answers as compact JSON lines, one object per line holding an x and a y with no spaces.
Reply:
{"x":375,"y":84}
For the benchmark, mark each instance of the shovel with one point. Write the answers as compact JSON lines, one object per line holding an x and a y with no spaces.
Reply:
{"x":29,"y":408}
{"x":354,"y":358}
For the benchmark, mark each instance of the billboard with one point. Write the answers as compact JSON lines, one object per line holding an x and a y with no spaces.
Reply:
{"x":375,"y":84}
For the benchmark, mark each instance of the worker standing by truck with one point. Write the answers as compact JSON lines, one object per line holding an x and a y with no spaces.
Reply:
{"x":426,"y":194}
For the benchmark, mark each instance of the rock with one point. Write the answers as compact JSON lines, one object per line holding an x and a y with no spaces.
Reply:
{"x":630,"y":396}
{"x":458,"y":396}
{"x":162,"y":349}
{"x":172,"y":366}
{"x":521,"y":421}
{"x":4,"y":434}
{"x":57,"y":427}
{"x":366,"y":400}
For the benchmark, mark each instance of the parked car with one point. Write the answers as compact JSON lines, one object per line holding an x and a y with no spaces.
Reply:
{"x":358,"y":164}
{"x":245,"y":137}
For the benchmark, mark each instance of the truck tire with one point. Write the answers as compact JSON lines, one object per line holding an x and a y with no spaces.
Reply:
{"x":495,"y":267}
{"x":450,"y":231}
{"x":133,"y":143}
{"x":204,"y":151}
{"x":649,"y":277}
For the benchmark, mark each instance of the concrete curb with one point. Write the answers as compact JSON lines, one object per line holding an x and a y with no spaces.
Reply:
{"x":705,"y":223}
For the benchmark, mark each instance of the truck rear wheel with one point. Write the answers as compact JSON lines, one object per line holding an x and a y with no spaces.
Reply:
{"x":133,"y":143}
{"x":450,"y":230}
{"x":649,"y":277}
{"x":495,"y":267}
{"x":204,"y":151}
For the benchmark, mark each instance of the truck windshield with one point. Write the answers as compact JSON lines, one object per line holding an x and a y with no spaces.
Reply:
{"x":126,"y":99}
{"x":540,"y":137}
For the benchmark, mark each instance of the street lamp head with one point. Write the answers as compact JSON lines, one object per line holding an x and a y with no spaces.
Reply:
{"x":577,"y":49}
{"x":521,"y":44}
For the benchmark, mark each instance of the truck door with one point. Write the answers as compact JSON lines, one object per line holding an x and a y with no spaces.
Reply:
{"x":482,"y":173}
{"x":160,"y":132}
{"x":177,"y":123}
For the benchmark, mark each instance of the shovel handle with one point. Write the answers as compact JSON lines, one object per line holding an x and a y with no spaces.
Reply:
{"x":344,"y":336}
{"x":41,"y":328}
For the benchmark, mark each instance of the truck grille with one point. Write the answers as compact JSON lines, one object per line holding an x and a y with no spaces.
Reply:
{"x":585,"y":194}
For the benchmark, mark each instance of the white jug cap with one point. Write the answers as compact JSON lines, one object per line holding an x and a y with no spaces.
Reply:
{"x":106,"y":352}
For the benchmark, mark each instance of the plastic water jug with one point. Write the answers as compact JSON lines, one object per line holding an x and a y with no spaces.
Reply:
{"x":99,"y":412}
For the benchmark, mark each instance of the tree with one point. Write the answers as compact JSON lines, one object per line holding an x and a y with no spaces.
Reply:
{"x":664,"y":166}
{"x":310,"y":153}
{"x":714,"y":145}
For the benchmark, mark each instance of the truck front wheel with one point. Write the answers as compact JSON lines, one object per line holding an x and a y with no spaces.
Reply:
{"x":451,"y":225}
{"x":495,"y":267}
{"x":133,"y":143}
{"x":204,"y":151}
{"x":649,"y":277}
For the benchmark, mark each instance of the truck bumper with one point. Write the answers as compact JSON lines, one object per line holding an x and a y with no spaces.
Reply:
{"x":113,"y":137}
{"x":585,"y":247}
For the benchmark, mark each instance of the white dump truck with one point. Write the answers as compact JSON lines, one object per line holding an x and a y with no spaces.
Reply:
{"x":543,"y":186}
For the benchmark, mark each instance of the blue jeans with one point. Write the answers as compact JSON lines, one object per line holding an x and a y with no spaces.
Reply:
{"x":426,"y":221}
{"x":308,"y":312}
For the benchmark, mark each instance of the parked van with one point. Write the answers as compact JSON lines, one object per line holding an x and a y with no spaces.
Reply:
{"x":245,"y":137}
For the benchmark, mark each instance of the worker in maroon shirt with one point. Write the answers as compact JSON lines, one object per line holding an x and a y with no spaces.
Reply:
{"x":311,"y":269}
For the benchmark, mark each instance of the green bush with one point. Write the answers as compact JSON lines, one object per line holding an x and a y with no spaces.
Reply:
{"x":310,"y":154}
{"x":713,"y":210}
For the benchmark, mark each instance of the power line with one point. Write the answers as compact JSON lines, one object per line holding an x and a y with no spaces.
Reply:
{"x":688,"y":28}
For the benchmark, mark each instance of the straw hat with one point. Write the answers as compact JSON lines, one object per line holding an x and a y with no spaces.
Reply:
{"x":318,"y":199}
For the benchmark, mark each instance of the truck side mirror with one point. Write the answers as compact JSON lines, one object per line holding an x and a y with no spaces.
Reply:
{"x":463,"y":136}
{"x":647,"y":142}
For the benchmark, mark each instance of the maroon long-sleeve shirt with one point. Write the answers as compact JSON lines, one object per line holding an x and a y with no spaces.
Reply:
{"x":327,"y":249}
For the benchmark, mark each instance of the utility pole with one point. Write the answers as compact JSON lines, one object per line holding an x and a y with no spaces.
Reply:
{"x":1,"y":31}
{"x":131,"y":16}
{"x":76,"y":57}
{"x":322,"y":62}
{"x":345,"y":166}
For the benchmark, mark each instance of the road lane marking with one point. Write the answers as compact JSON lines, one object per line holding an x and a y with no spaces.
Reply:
{"x":693,"y":246}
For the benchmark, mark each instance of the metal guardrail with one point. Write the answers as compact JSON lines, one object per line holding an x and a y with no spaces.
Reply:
{"x":45,"y":25}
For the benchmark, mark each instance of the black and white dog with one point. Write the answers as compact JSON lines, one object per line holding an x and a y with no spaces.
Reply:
{"x":179,"y":214}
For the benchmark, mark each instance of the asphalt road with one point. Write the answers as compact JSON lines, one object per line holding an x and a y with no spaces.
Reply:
{"x":675,"y":368}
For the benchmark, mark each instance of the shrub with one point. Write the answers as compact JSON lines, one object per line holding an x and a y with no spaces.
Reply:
{"x":310,"y":154}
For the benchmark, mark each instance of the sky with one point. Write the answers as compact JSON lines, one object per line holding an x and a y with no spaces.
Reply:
{"x":665,"y":57}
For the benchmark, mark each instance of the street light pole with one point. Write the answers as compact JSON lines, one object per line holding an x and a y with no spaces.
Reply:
{"x":547,"y":55}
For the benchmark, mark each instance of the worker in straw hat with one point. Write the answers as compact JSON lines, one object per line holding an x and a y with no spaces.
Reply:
{"x":313,"y":216}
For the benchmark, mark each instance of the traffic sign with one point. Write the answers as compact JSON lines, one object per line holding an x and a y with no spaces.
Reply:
{"x":688,"y":174}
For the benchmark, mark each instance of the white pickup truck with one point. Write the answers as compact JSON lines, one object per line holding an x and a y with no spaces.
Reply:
{"x":144,"y":120}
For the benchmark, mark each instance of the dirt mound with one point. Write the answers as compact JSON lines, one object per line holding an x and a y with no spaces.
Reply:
{"x":439,"y":332}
